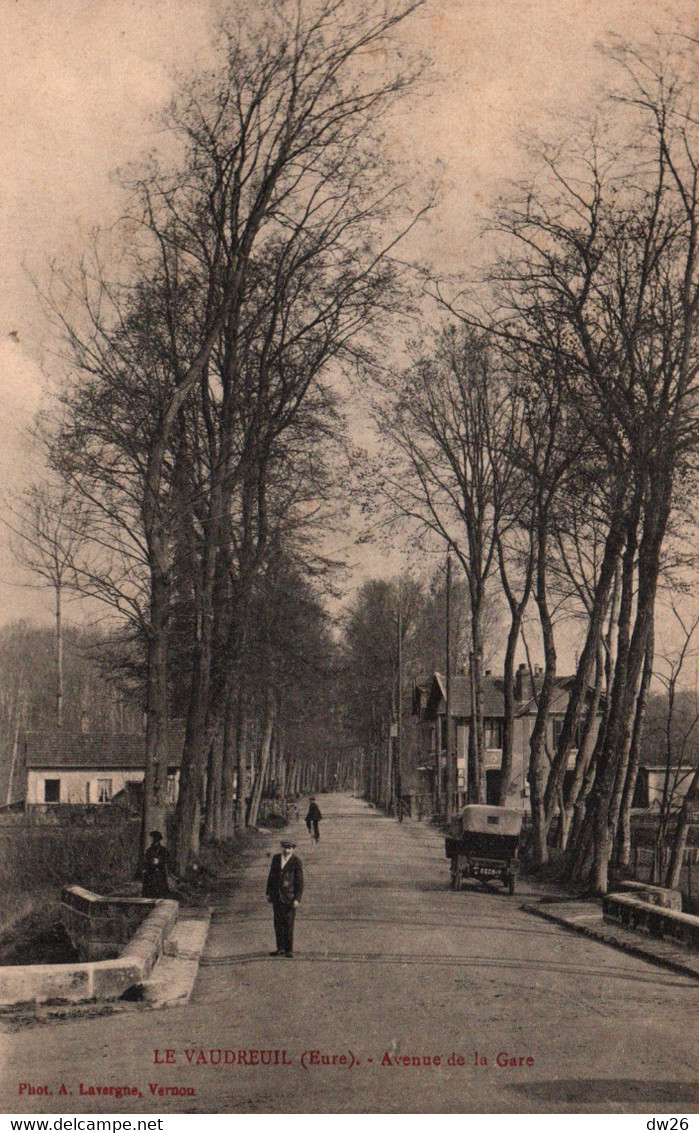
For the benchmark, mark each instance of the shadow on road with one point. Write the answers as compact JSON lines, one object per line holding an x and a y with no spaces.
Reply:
{"x":412,"y":959}
{"x":599,"y":1090}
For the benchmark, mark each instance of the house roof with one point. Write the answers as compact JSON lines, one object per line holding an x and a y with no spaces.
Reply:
{"x":493,"y":697}
{"x":559,"y":698}
{"x":460,"y":696}
{"x":93,"y":750}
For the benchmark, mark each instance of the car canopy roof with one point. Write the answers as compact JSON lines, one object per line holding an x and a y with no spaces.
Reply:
{"x":479,"y":819}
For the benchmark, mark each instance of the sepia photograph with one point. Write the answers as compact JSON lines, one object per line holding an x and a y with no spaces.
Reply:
{"x":349,"y":635}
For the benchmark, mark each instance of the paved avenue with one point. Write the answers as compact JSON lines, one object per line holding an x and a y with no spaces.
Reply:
{"x":403,"y":997}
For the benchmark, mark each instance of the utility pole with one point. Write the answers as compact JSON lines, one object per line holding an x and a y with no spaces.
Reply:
{"x":399,"y":721}
{"x":447,"y":721}
{"x":473,"y":773}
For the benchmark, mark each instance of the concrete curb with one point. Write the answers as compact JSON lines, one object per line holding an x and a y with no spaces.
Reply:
{"x":585,"y":918}
{"x":94,"y":979}
{"x":172,"y":980}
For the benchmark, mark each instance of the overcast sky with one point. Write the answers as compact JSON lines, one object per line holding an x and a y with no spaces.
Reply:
{"x":80,"y":82}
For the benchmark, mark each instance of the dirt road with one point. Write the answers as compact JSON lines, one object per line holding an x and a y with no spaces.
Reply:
{"x":403,"y":997}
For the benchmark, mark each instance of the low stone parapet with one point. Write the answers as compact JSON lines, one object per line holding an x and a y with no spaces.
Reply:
{"x":640,"y":915}
{"x":99,"y":927}
{"x":653,"y":894}
{"x":95,"y":979}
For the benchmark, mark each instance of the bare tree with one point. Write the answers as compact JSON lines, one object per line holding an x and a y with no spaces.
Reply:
{"x":260,"y":258}
{"x":678,"y":730}
{"x":451,"y":426}
{"x":49,"y":528}
{"x":602,"y":275}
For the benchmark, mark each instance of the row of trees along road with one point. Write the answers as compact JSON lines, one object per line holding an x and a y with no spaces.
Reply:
{"x":255,"y":262}
{"x":547,"y":433}
{"x":394,"y":631}
{"x":544,"y":432}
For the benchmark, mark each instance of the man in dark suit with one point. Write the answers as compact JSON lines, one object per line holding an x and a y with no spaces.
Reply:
{"x":284,"y":889}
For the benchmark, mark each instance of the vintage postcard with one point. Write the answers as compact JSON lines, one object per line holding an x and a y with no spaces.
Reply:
{"x":348,"y":638}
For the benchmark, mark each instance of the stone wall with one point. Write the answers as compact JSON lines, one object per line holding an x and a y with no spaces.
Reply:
{"x":653,"y":894}
{"x":95,"y":979}
{"x":100,"y":927}
{"x":645,"y":917}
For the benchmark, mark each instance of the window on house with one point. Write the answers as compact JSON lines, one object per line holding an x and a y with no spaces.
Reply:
{"x":641,"y":796}
{"x":52,"y":790}
{"x":104,"y":790}
{"x":492,"y":728}
{"x":558,"y":728}
{"x":171,"y":794}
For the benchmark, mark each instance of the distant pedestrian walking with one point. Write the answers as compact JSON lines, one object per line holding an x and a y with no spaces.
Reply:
{"x":155,"y":868}
{"x":284,"y":889}
{"x":313,"y":818}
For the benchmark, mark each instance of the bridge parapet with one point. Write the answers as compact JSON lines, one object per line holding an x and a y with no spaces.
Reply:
{"x":99,"y":927}
{"x":94,"y":979}
{"x":653,"y":894}
{"x":642,"y":916}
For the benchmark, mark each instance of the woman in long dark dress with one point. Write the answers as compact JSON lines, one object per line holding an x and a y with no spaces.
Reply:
{"x":155,"y":868}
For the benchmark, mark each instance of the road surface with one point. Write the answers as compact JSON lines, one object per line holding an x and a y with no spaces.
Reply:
{"x":403,"y":997}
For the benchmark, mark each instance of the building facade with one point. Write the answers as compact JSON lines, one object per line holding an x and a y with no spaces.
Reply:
{"x":88,"y":769}
{"x":431,"y":705}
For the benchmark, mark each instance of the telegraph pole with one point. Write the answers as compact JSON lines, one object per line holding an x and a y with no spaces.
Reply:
{"x":399,"y":722}
{"x":447,"y":722}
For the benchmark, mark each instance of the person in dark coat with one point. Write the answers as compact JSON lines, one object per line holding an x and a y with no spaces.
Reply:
{"x":284,"y":889}
{"x":155,"y":868}
{"x":313,"y":818}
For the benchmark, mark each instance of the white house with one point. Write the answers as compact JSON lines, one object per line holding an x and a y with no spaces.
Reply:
{"x":83,"y":768}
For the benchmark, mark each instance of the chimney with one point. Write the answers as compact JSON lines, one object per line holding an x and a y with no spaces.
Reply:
{"x":523,"y":683}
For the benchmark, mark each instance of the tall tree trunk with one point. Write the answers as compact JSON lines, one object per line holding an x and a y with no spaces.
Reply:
{"x":630,"y":659}
{"x":538,"y":758}
{"x":616,"y":732}
{"x":584,"y":756}
{"x":20,"y":707}
{"x":155,"y":778}
{"x":196,"y":735}
{"x":623,"y":852}
{"x":476,"y":738}
{"x":263,"y":761}
{"x":684,"y":819}
{"x":228,"y":773}
{"x":517,"y":609}
{"x":59,"y":656}
{"x":509,"y":709}
{"x":581,"y":682}
{"x":576,"y":856}
{"x":213,"y":819}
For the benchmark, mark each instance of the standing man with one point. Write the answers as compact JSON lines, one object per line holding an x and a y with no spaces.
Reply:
{"x":313,"y":818}
{"x":284,"y":889}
